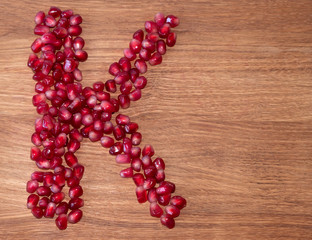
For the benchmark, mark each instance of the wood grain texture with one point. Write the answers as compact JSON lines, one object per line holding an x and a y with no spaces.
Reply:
{"x":229,"y":110}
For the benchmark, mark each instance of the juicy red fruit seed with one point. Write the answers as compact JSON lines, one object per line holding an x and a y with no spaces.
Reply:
{"x":178,"y":201}
{"x":172,"y":211}
{"x":156,"y":210}
{"x":32,"y":201}
{"x":61,"y":221}
{"x":167,"y":221}
{"x":74,"y":216}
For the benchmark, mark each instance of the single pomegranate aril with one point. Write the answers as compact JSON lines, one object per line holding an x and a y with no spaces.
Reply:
{"x":136,"y":164}
{"x":36,"y":45}
{"x":123,"y":158}
{"x":136,"y":138}
{"x":165,"y":188}
{"x":62,"y":208}
{"x":135,"y":45}
{"x":122,"y":119}
{"x":37,"y":212}
{"x":150,"y":171}
{"x":150,"y":26}
{"x":75,"y":203}
{"x":75,"y":20}
{"x":173,"y":21}
{"x":39,"y":18}
{"x":81,"y":55}
{"x":124,"y":101}
{"x":141,"y":66}
{"x":50,"y":210}
{"x":78,"y":43}
{"x":178,"y":201}
{"x":140,"y":82}
{"x":69,"y":65}
{"x":57,"y":197}
{"x":61,"y":221}
{"x":50,"y":21}
{"x":75,"y":192}
{"x":152,"y":195}
{"x":75,"y":30}
{"x":107,"y":142}
{"x":131,"y":127}
{"x":35,"y":153}
{"x":78,"y":171}
{"x":163,"y":199}
{"x":126,"y":173}
{"x":148,"y":45}
{"x":32,"y":201}
{"x":156,"y":210}
{"x":128,"y":53}
{"x":149,"y":183}
{"x":37,"y":176}
{"x":159,"y":19}
{"x":148,"y":150}
{"x":41,"y":29}
{"x":138,"y":179}
{"x":67,"y":13}
{"x":73,"y":181}
{"x":159,"y":164}
{"x":118,"y":132}
{"x":164,"y":30}
{"x":74,"y":216}
{"x":32,"y":186}
{"x":135,"y":95}
{"x":145,"y":54}
{"x":141,"y":194}
{"x":146,"y":161}
{"x":167,"y":221}
{"x":155,"y":59}
{"x":139,"y":35}
{"x":172,"y":211}
{"x":171,"y":39}
{"x":43,"y":202}
{"x":110,"y":86}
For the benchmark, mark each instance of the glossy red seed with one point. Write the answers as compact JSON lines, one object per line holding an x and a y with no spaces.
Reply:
{"x":67,"y":13}
{"x":78,"y":171}
{"x":125,"y":64}
{"x":131,"y":127}
{"x":78,"y":43}
{"x":156,"y":210}
{"x":107,"y":106}
{"x":69,"y":65}
{"x":75,"y":30}
{"x":32,"y":186}
{"x":145,"y":54}
{"x":159,"y":163}
{"x":73,"y":145}
{"x":160,"y":175}
{"x":138,"y":179}
{"x":140,"y":82}
{"x":140,"y":65}
{"x":73,"y":181}
{"x":107,"y":142}
{"x":165,"y":188}
{"x":141,"y":194}
{"x":32,"y":201}
{"x":136,"y":164}
{"x":50,"y":21}
{"x":108,"y":127}
{"x":171,"y":39}
{"x":167,"y":221}
{"x":163,"y":199}
{"x":35,"y":153}
{"x":57,"y":197}
{"x":172,"y":20}
{"x":150,"y":26}
{"x":134,"y":73}
{"x":95,"y":136}
{"x":124,"y":101}
{"x":37,"y":176}
{"x":121,"y":77}
{"x":126,"y":173}
{"x":75,"y":192}
{"x":61,"y":221}
{"x":172,"y":211}
{"x":159,"y":19}
{"x":75,"y":203}
{"x":148,"y":150}
{"x":135,"y":95}
{"x":74,"y":216}
{"x":39,"y":18}
{"x":146,"y":161}
{"x":37,"y":212}
{"x":178,"y":201}
{"x":149,"y":183}
{"x":81,"y":55}
{"x":128,"y":53}
{"x":110,"y":86}
{"x":150,"y":171}
{"x":36,"y":45}
{"x":127,"y":145}
{"x":136,"y":138}
{"x":155,"y":59}
{"x":139,"y":35}
{"x":152,"y":195}
{"x":41,"y":29}
{"x":75,"y":20}
{"x":59,"y":179}
{"x":148,"y":45}
{"x":164,"y":30}
{"x":48,"y":179}
{"x":43,"y":202}
{"x":135,"y":45}
{"x":123,"y":158}
{"x":62,"y":208}
{"x":60,"y":32}
{"x":54,"y":11}
{"x":50,"y":210}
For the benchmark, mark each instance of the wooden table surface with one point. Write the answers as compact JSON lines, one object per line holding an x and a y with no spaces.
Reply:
{"x":229,"y":110}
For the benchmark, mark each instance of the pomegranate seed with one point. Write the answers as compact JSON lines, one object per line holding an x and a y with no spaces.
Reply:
{"x":36,"y":45}
{"x":69,"y":65}
{"x":163,"y":199}
{"x":107,"y":106}
{"x":54,"y":11}
{"x":39,"y":18}
{"x":74,"y":30}
{"x":172,"y":211}
{"x":149,"y":183}
{"x":145,"y":54}
{"x":173,"y":21}
{"x":59,"y":179}
{"x":126,"y":173}
{"x":107,"y":142}
{"x":152,"y":195}
{"x":150,"y":171}
{"x":40,"y":30}
{"x":123,"y":158}
{"x":37,"y":212}
{"x":140,"y":65}
{"x":131,"y":127}
{"x":135,"y":95}
{"x":159,"y":19}
{"x":150,"y":26}
{"x":32,"y":186}
{"x":73,"y":181}
{"x":146,"y":161}
{"x":61,"y":221}
{"x":81,"y":55}
{"x":125,"y":64}
{"x":156,"y":210}
{"x":75,"y":216}
{"x":110,"y":86}
{"x":57,"y":197}
{"x":75,"y":192}
{"x":124,"y":101}
{"x":148,"y":150}
{"x":105,"y":116}
{"x":75,"y":203}
{"x":48,"y":179}
{"x":159,"y":164}
{"x":75,"y":134}
{"x":61,"y":140}
{"x":68,"y":173}
{"x":171,"y":39}
{"x":114,"y":69}
{"x":122,"y":119}
{"x":115,"y":103}
{"x":98,"y":86}
{"x":50,"y":21}
{"x":167,"y":221}
{"x":134,"y":73}
{"x":140,"y":82}
{"x":78,"y":171}
{"x":148,"y":45}
{"x":75,"y":20}
{"x":136,"y":164}
{"x":135,"y":45}
{"x":37,"y":176}
{"x":164,"y":30}
{"x":62,"y":208}
{"x":56,"y":188}
{"x":141,"y":194}
{"x":95,"y":136}
{"x":160,"y":175}
{"x":178,"y":202}
{"x":153,"y":36}
{"x":128,"y":53}
{"x":60,"y":32}
{"x":50,"y":210}
{"x":77,"y":74}
{"x":32,"y":58}
{"x":67,"y":13}
{"x":165,"y":188}
{"x":138,"y":179}
{"x":127,"y":145}
{"x":155,"y":59}
{"x":118,"y":132}
{"x":59,"y":169}
{"x":78,"y":43}
{"x":121,"y":77}
{"x":73,"y":145}
{"x":43,"y":202}
{"x":136,"y":138}
{"x":32,"y":201}
{"x":35,"y":153}
{"x":139,"y":35}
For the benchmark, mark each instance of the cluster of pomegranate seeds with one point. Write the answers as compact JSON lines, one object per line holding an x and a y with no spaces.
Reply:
{"x":71,"y":112}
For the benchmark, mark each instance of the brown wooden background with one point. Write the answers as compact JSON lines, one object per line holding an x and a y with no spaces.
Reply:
{"x":229,"y":110}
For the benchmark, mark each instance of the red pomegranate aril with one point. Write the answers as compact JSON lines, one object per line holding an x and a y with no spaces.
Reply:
{"x":165,"y":188}
{"x":140,"y":65}
{"x":67,"y":13}
{"x":32,"y":186}
{"x":148,"y":150}
{"x":171,"y":39}
{"x":107,"y":142}
{"x":136,"y":164}
{"x":128,"y":53}
{"x":105,"y":116}
{"x":77,"y":74}
{"x":74,"y":30}
{"x":50,"y":21}
{"x":61,"y":140}
{"x":131,"y":127}
{"x":73,"y":181}
{"x":98,"y":86}
{"x":121,"y":77}
{"x":78,"y":171}
{"x":124,"y":101}
{"x":156,"y":210}
{"x":48,"y":153}
{"x":74,"y":216}
{"x":107,"y":106}
{"x":155,"y":59}
{"x":167,"y":221}
{"x":140,"y":82}
{"x":43,"y":202}
{"x":37,"y":212}
{"x":138,"y":179}
{"x":110,"y":86}
{"x":164,"y":30}
{"x":41,"y":29}
{"x":69,"y":65}
{"x":136,"y":138}
{"x":59,"y":169}
{"x":39,"y":18}
{"x":35,"y":153}
{"x":50,"y":210}
{"x":62,"y":208}
{"x":75,"y":192}
{"x":115,"y":103}
{"x":134,"y":73}
{"x":43,"y":163}
{"x":60,"y":32}
{"x":81,"y":55}
{"x":178,"y":202}
{"x":58,"y":44}
{"x":148,"y":45}
{"x":65,"y":128}
{"x":73,"y":145}
{"x":127,"y":145}
{"x":61,"y":221}
{"x":78,"y":43}
{"x":48,"y":81}
{"x":125,"y":64}
{"x":139,"y":35}
{"x":135,"y":95}
{"x":150,"y":26}
{"x":48,"y":179}
{"x":126,"y":173}
{"x":149,"y":183}
{"x":135,"y":45}
{"x":75,"y":134}
{"x":152,"y":36}
{"x":141,"y":194}
{"x":95,"y":136}
{"x":172,"y":211}
{"x":37,"y":176}
{"x":122,"y":119}
{"x":108,"y":127}
{"x":172,"y":20}
{"x":135,"y":152}
{"x":56,"y":188}
{"x":145,"y":54}
{"x":39,"y":76}
{"x":57,"y":197}
{"x":123,"y":158}
{"x":98,"y":125}
{"x":59,"y":179}
{"x":75,"y":203}
{"x":32,"y":201}
{"x":68,"y":173}
{"x":31,"y":59}
{"x":163,"y":199}
{"x":152,"y":195}
{"x":43,"y":191}
{"x":150,"y":171}
{"x":36,"y":45}
{"x":71,"y":159}
{"x":75,"y":20}
{"x":91,"y":101}
{"x":159,"y":19}
{"x":114,"y":69}
{"x":59,"y":152}
{"x":69,"y":53}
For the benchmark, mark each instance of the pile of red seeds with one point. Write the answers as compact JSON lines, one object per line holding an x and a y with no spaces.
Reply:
{"x":71,"y":113}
